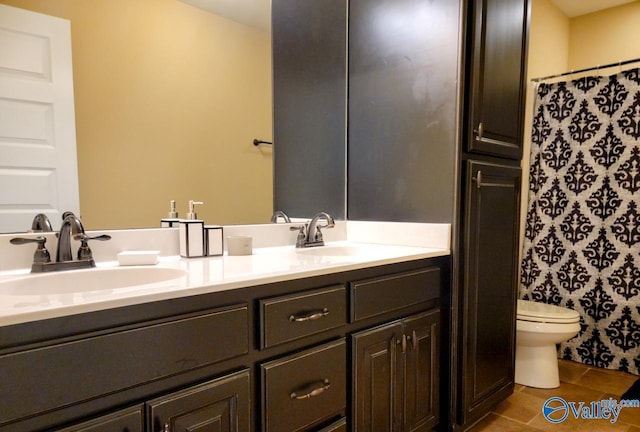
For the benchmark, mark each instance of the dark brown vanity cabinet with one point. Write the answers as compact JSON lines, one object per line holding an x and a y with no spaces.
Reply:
{"x":279,"y":357}
{"x":496,"y":74}
{"x":487,"y":339}
{"x":395,"y":375}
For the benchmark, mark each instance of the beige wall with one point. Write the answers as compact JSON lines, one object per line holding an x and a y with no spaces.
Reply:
{"x":168,"y":100}
{"x":608,"y":36}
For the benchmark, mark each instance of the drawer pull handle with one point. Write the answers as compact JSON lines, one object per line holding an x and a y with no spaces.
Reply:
{"x":310,"y":316}
{"x":309,"y":393}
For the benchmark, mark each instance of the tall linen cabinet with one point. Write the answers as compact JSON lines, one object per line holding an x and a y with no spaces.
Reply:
{"x":489,"y":207}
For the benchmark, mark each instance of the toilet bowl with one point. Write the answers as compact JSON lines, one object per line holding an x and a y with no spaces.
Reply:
{"x":539,"y":327}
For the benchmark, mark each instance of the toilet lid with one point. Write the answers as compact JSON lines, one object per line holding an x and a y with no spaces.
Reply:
{"x":542,"y":312}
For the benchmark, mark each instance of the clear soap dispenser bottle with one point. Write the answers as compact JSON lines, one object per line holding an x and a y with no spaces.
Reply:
{"x":192,"y":234}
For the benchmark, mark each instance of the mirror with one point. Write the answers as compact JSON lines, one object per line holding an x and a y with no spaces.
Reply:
{"x":168,"y":103}
{"x":168,"y":100}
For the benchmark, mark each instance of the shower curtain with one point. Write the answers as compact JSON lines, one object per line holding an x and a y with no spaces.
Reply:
{"x":582,"y":234}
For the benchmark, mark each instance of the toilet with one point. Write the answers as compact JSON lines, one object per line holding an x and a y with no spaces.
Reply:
{"x":539,"y":327}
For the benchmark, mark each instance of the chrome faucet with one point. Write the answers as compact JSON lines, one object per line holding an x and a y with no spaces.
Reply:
{"x":280,"y":213}
{"x":71,"y":228}
{"x":313,"y":235}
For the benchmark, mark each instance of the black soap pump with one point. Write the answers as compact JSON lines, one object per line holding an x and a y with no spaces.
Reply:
{"x":171,"y":221}
{"x":192,"y":234}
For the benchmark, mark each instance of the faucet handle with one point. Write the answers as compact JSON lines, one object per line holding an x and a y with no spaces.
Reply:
{"x":41,"y":254}
{"x":84,"y":251}
{"x":302,"y":237}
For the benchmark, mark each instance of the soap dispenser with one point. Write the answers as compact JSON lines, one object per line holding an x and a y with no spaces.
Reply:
{"x":192,"y":234}
{"x":171,"y":221}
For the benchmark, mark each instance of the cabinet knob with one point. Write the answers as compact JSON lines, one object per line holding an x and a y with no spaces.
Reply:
{"x":166,"y":428}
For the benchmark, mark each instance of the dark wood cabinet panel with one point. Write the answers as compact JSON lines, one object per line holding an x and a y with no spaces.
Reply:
{"x":496,"y":77}
{"x":128,"y":356}
{"x":290,"y":317}
{"x":303,"y":389}
{"x":396,"y":375}
{"x":370,"y":297}
{"x":221,"y":405}
{"x":309,"y":41}
{"x":489,"y":284}
{"x":375,"y":378}
{"x":127,"y":420}
{"x":421,"y":398}
{"x":403,"y":84}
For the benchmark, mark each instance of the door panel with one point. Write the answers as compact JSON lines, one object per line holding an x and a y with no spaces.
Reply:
{"x":490,"y":282}
{"x":375,"y":389}
{"x":38,"y":163}
{"x":497,"y":77}
{"x":221,"y":405}
{"x":421,"y":406}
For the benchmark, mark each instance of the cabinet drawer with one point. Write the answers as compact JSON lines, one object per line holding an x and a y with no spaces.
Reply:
{"x":302,"y":389}
{"x":375,"y":296}
{"x":99,"y":364}
{"x":294,"y":316}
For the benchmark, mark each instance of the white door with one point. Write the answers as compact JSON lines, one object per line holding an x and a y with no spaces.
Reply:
{"x":38,"y":163}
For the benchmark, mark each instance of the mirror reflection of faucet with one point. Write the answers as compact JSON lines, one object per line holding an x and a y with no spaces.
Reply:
{"x":310,"y":235}
{"x":41,"y":223}
{"x":71,"y":228}
{"x":279,"y":214}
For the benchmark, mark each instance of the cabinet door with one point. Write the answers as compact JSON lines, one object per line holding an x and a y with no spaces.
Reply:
{"x":489,"y":284}
{"x":127,"y":420}
{"x":421,"y":399}
{"x":377,"y":388}
{"x":496,"y":86}
{"x":221,"y":405}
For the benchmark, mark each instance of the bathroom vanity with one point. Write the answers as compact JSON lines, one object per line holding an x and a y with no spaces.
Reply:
{"x":282,"y":340}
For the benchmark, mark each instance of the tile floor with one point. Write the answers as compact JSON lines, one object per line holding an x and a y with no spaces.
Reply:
{"x":522,"y":412}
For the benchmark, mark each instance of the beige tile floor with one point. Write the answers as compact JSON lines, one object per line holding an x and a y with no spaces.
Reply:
{"x":522,"y":411}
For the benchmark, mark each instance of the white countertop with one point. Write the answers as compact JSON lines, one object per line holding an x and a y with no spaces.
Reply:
{"x":205,"y":275}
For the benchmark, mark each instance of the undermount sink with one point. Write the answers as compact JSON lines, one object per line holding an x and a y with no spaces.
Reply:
{"x":95,"y":279}
{"x":343,"y":251}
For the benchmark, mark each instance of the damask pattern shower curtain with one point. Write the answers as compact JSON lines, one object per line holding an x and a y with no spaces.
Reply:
{"x":582,"y":236}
